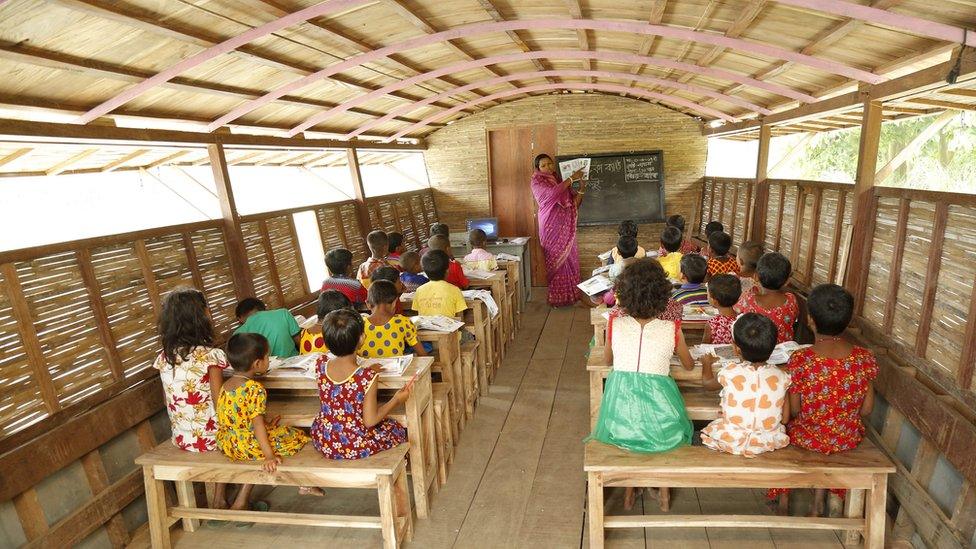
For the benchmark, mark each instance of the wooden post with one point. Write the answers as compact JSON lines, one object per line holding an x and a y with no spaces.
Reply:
{"x":357,"y":184}
{"x":243,"y":282}
{"x":867,"y":162}
{"x":758,"y":224}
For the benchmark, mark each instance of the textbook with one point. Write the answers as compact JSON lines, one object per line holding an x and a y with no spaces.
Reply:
{"x":389,"y":367}
{"x":595,"y":285}
{"x":477,"y":273}
{"x":605,"y":255}
{"x":300,"y":364}
{"x":601,"y":270}
{"x":698,"y":312}
{"x":436,"y":323}
{"x":567,"y":167}
{"x":506,"y":257}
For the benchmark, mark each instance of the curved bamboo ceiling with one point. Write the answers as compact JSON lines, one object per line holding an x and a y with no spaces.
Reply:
{"x":401,"y":68}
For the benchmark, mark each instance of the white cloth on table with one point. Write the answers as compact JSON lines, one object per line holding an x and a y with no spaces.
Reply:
{"x":485,"y":297}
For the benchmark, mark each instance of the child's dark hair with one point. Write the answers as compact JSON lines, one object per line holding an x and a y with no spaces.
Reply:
{"x":477,"y":238}
{"x":773,"y":270}
{"x":755,"y":336}
{"x":396,"y":240}
{"x":627,"y":246}
{"x":341,"y":331}
{"x":331,"y":300}
{"x":677,"y":221}
{"x":726,"y":289}
{"x":439,"y":242}
{"x":338,"y":261}
{"x":694,"y":267}
{"x":389,"y":274}
{"x":183,"y":324}
{"x":381,"y":292}
{"x":539,"y":158}
{"x":247,"y":306}
{"x":408,"y":259}
{"x":671,"y":239}
{"x":627,"y":227}
{"x":831,"y":307}
{"x":440,"y":228}
{"x":712,"y":227}
{"x":643,"y":289}
{"x":749,"y":253}
{"x":719,"y":243}
{"x":378,"y":241}
{"x":435,"y":264}
{"x":244,"y":349}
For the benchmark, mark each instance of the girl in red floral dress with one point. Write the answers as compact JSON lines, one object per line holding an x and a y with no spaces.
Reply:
{"x":350,"y":424}
{"x":723,"y":293}
{"x":831,"y":387}
{"x":773,"y":272}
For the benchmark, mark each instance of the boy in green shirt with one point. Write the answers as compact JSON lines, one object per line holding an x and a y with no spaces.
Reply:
{"x":278,"y":326}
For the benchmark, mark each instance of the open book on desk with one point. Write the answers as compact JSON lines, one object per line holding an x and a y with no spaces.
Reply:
{"x":389,"y":367}
{"x":506,"y":257}
{"x":436,"y":323}
{"x":300,"y":365}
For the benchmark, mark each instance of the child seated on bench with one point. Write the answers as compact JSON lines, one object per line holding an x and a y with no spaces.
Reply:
{"x":412,"y":276}
{"x":692,"y":290}
{"x":350,"y":425}
{"x":627,"y":228}
{"x":773,"y":272}
{"x":627,"y":249}
{"x":642,"y":409}
{"x":754,"y":403}
{"x":395,"y":247}
{"x":455,"y":273}
{"x":379,"y":247}
{"x":391,"y":275}
{"x":386,"y":332}
{"x":278,"y":326}
{"x":479,"y":258}
{"x":436,"y":228}
{"x":832,"y":386}
{"x":721,"y":262}
{"x":746,"y":257}
{"x":723,"y":293}
{"x":311,"y":340}
{"x":244,"y":434}
{"x":711,"y":227}
{"x":339,"y":263}
{"x":671,"y":259}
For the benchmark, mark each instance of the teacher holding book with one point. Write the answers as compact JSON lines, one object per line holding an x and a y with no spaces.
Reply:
{"x":558,"y":207}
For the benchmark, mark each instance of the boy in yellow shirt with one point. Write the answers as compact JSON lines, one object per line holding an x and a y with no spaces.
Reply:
{"x":671,"y":261}
{"x":438,"y":297}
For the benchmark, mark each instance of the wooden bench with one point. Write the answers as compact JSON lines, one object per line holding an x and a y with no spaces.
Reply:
{"x":473,"y":375}
{"x":447,"y":356}
{"x":864,"y":471}
{"x":599,"y":324}
{"x":384,"y":472}
{"x":443,"y":432}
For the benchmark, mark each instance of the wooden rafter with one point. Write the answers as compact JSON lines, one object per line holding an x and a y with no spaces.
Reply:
{"x":741,"y":23}
{"x":940,"y":103}
{"x":70,"y":161}
{"x":166,"y":159}
{"x":116,"y":164}
{"x":962,"y":92}
{"x":493,"y":12}
{"x":15,"y":155}
{"x":655,"y":17}
{"x":295,"y":159}
{"x":576,"y":11}
{"x":244,"y":157}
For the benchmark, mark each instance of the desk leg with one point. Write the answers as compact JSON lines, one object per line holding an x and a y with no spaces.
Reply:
{"x":482,"y":332}
{"x":874,"y":513}
{"x":156,"y":507}
{"x":186,"y":497}
{"x":418,"y":429}
{"x":854,"y":508}
{"x":596,"y":397}
{"x":595,"y":509}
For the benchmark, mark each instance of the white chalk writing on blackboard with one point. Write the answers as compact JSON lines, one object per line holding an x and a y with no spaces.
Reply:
{"x":641,"y":168}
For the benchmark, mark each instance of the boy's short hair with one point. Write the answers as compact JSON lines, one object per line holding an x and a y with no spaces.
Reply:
{"x":719,"y":243}
{"x":378,"y":242}
{"x":435,"y":264}
{"x":671,"y":239}
{"x":627,"y":227}
{"x":831,"y":308}
{"x":381,"y":292}
{"x":774,"y":270}
{"x":247,"y":306}
{"x":749,"y":253}
{"x":331,"y":300}
{"x":244,"y":349}
{"x":439,"y":242}
{"x":409,"y":259}
{"x":389,"y":274}
{"x":726,"y":289}
{"x":712,"y":227}
{"x":440,"y":228}
{"x":642,"y":289}
{"x":396,"y":240}
{"x":477,"y":238}
{"x":694,"y":267}
{"x":341,"y":331}
{"x":677,"y":221}
{"x":627,"y":246}
{"x":338,"y":261}
{"x":755,"y":336}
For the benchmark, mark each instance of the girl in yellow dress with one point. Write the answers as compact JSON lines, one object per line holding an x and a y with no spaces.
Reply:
{"x":243,"y":433}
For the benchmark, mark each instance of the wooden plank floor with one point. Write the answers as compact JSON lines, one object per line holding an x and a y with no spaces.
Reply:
{"x":517,"y":478}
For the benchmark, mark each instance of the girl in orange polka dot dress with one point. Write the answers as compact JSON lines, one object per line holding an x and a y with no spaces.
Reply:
{"x":754,"y":403}
{"x":386,"y":333}
{"x":311,"y":340}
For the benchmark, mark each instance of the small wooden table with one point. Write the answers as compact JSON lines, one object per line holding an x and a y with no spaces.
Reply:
{"x":514,"y":278}
{"x":478,"y":320}
{"x":448,"y":362}
{"x":420,"y":420}
{"x":600,"y":325}
{"x":501,"y":325}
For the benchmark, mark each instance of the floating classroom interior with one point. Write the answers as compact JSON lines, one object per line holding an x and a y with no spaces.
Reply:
{"x":228,"y":145}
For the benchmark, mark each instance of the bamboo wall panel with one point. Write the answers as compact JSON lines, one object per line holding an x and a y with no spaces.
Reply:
{"x":740,"y":229}
{"x":356,"y":242}
{"x":130,"y":312}
{"x":61,"y":312}
{"x":258,"y":261}
{"x":213,"y":264}
{"x":408,"y":224}
{"x":825,"y":254}
{"x":288,"y":263}
{"x":708,"y":197}
{"x":879,"y":267}
{"x":789,"y":221}
{"x":330,"y":229}
{"x":170,"y":265}
{"x":805,"y":234}
{"x":20,"y":397}
{"x":954,"y":290}
{"x":911,"y":282}
{"x":421,"y":219}
{"x":728,"y":205}
{"x":772,"y":215}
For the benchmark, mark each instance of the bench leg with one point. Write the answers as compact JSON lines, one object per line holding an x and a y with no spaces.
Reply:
{"x":853,"y":508}
{"x":874,"y":513}
{"x":156,"y":507}
{"x":384,"y":486}
{"x":401,"y":492}
{"x":187,"y":498}
{"x":596,"y":397}
{"x":595,"y":509}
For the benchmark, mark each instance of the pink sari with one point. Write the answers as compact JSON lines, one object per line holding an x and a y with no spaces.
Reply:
{"x":557,"y":235}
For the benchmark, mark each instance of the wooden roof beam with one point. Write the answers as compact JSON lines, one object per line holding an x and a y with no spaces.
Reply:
{"x":699,"y":25}
{"x":655,"y":17}
{"x":70,"y":161}
{"x":15,"y":155}
{"x":944,"y":104}
{"x":493,"y":12}
{"x":116,"y":164}
{"x":741,"y":23}
{"x":166,"y":159}
{"x":576,"y":11}
{"x":961,"y":92}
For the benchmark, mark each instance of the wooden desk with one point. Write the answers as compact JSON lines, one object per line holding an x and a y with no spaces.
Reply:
{"x":600,"y":325}
{"x":514,"y":279}
{"x":420,"y":420}
{"x":517,"y":246}
{"x":448,"y":362}
{"x":501,"y":324}
{"x":479,"y":322}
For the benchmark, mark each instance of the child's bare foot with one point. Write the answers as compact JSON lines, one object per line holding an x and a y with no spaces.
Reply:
{"x":630,"y":497}
{"x":783,"y":505}
{"x":310,"y":491}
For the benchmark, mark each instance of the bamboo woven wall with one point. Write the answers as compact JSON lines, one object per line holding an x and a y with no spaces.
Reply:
{"x":408,"y":213}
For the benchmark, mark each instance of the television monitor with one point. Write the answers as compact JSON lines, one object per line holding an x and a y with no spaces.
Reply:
{"x":487,"y":224}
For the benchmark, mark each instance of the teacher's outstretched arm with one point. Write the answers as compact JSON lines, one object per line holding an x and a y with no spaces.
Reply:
{"x":579,"y":194}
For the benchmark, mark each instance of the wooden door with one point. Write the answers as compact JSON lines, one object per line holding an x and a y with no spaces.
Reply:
{"x":511,"y":152}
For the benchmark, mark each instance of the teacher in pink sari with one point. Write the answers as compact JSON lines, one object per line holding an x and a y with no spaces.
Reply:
{"x":558,"y":207}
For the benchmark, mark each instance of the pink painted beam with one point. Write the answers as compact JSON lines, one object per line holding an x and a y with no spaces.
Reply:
{"x":227,"y":46}
{"x":325,"y":115}
{"x":897,"y":21}
{"x":611,"y":88}
{"x":468,"y":31}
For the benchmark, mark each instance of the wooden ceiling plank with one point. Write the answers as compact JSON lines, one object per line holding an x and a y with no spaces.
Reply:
{"x":655,"y":17}
{"x":244,"y":157}
{"x":70,"y":161}
{"x":940,"y":103}
{"x":576,"y":12}
{"x":735,"y":30}
{"x":493,"y":12}
{"x":961,"y":92}
{"x":116,"y":164}
{"x":15,"y":155}
{"x":166,"y":159}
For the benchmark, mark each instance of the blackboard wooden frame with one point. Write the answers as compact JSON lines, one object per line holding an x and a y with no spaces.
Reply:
{"x":659,"y":218}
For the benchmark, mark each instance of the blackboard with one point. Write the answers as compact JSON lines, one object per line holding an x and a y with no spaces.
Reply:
{"x":623,"y":186}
